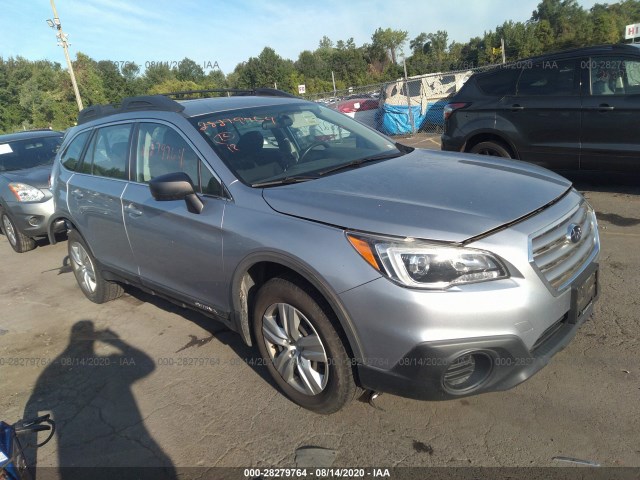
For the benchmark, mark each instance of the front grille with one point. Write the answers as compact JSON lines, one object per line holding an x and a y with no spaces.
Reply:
{"x":558,"y":258}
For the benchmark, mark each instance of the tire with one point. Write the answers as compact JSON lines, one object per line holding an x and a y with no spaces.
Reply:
{"x":18,"y":241}
{"x":88,"y":276}
{"x":320,"y":380}
{"x":492,"y":149}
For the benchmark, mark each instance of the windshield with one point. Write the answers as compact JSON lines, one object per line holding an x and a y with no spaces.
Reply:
{"x":266,"y":144}
{"x":33,"y":152}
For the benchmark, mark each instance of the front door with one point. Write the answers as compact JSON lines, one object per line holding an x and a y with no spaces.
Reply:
{"x":610,"y":109}
{"x":176,"y":251}
{"x":545,"y":114}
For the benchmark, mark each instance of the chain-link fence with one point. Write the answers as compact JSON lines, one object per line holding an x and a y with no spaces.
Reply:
{"x":400,"y":107}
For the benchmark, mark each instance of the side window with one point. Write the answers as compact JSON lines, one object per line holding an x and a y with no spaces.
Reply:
{"x":162,"y":150}
{"x":632,"y":70}
{"x":210,"y":184}
{"x":500,"y":82}
{"x":71,"y":157}
{"x":108,"y":152}
{"x":614,"y":76}
{"x":550,"y":78}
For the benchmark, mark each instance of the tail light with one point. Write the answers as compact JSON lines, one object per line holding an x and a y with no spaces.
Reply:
{"x":449,"y":108}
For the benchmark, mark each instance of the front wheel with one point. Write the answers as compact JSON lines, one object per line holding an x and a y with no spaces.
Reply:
{"x":18,"y":240}
{"x":88,"y":276}
{"x":301,"y":347}
{"x":492,"y":149}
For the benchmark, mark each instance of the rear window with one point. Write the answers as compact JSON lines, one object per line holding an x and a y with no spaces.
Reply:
{"x":499,"y":82}
{"x":30,"y":153}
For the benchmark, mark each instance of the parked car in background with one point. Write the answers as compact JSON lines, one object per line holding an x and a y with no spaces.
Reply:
{"x":348,"y":261}
{"x":25,"y":199}
{"x":572,"y":110}
{"x":362,"y":109}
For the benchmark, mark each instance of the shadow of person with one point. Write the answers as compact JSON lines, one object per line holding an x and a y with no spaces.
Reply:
{"x":98,"y":423}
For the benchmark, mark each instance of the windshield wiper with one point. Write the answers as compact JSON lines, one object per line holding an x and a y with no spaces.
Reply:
{"x":357,"y":163}
{"x":284,"y":181}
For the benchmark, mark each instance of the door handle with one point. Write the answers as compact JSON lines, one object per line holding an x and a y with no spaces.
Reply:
{"x":77,"y":194}
{"x":516,"y":108}
{"x":132,"y":210}
{"x":602,"y":108}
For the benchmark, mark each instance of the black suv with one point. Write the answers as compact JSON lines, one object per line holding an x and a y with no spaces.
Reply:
{"x":572,"y":110}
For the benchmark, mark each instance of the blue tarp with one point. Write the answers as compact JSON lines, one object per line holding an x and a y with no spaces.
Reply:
{"x":394,"y":119}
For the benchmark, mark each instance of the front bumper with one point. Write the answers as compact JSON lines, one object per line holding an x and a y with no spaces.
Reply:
{"x":420,"y":373}
{"x":31,"y":218}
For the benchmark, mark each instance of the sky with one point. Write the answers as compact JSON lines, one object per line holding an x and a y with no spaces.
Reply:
{"x":229,"y":32}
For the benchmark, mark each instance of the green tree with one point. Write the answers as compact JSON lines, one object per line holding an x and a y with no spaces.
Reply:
{"x":266,"y":70}
{"x":390,"y":41}
{"x":113,"y":83}
{"x":89,"y":80}
{"x":188,"y":70}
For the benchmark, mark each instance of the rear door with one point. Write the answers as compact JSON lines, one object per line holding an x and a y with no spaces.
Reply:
{"x":544,"y":114}
{"x":611,"y":105}
{"x":94,"y":193}
{"x":177,"y":252}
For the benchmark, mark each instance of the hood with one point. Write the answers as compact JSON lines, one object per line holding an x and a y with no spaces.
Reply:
{"x":424,"y":194}
{"x":36,"y":177}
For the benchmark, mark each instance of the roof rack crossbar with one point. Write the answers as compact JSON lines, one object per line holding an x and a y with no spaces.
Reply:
{"x":130,"y":104}
{"x":270,"y":92}
{"x":164,"y":102}
{"x":151,"y":102}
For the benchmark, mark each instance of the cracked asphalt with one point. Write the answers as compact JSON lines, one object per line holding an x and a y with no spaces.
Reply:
{"x":141,"y":382}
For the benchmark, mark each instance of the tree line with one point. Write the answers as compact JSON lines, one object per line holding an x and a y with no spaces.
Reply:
{"x":39,"y":94}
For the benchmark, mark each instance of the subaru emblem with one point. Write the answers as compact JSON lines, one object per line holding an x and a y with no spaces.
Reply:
{"x":574,"y":233}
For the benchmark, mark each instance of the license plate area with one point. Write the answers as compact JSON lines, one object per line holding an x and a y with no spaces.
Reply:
{"x":584,"y":291}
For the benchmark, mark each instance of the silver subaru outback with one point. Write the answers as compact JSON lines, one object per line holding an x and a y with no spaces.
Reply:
{"x":350,"y":261}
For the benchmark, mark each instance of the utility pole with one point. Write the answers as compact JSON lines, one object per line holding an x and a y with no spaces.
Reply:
{"x":64,"y":43}
{"x":504,"y":55}
{"x":406,"y":89}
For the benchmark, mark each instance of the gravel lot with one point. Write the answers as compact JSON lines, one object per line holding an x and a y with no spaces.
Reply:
{"x":166,"y":386}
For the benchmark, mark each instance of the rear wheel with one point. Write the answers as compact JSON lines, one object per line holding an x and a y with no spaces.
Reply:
{"x":492,"y":149}
{"x":89,"y":278}
{"x":18,"y":241}
{"x":301,"y":347}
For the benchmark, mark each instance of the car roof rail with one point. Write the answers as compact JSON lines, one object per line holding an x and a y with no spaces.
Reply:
{"x":130,"y":104}
{"x":195,"y":94}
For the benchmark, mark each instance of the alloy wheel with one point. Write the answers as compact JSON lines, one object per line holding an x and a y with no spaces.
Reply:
{"x":295,"y":348}
{"x":83,"y":266}
{"x":9,"y":231}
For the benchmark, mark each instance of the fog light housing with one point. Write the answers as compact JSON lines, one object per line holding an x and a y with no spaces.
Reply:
{"x":33,"y":221}
{"x":467,"y":372}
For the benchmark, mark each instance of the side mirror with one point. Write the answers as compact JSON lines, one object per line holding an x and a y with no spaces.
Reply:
{"x":176,"y":186}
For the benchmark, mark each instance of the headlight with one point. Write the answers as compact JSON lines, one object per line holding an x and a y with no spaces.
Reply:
{"x":26,"y":193}
{"x":419,"y":264}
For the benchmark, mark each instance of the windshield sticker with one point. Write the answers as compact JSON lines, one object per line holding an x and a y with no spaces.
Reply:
{"x":222,"y":122}
{"x":5,"y":148}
